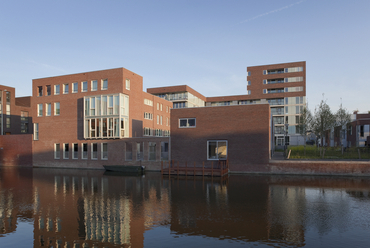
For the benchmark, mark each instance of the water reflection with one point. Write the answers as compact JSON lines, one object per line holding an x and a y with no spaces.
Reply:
{"x":78,"y":208}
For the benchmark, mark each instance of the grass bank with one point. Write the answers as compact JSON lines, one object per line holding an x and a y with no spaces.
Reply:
{"x":313,"y":152}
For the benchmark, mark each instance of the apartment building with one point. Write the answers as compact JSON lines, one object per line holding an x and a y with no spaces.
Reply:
{"x":283,"y":86}
{"x":15,"y":112}
{"x":82,"y":119}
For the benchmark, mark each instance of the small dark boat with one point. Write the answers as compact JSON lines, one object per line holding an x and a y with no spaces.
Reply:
{"x":125,"y":168}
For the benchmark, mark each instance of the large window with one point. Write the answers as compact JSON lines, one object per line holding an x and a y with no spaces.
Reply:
{"x":217,"y":150}
{"x":187,"y":122}
{"x":106,"y":116}
{"x":139,"y":151}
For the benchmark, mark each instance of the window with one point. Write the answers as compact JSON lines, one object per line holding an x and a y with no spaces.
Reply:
{"x":56,"y":89}
{"x":216,"y":149}
{"x":56,"y":108}
{"x":48,"y":90}
{"x":35,"y":131}
{"x":84,"y":151}
{"x":74,"y":87}
{"x":104,"y":151}
{"x":293,"y":69}
{"x":48,"y":109}
{"x":139,"y":151}
{"x":65,"y":88}
{"x":104,"y":84}
{"x":148,"y":116}
{"x":161,"y":106}
{"x":157,"y":106}
{"x":362,"y":131}
{"x":39,"y":90}
{"x":148,"y":131}
{"x":249,"y":82}
{"x":94,"y":85}
{"x":24,"y":121}
{"x":94,"y":151}
{"x":148,"y":102}
{"x":56,"y":151}
{"x":166,"y":121}
{"x":127,"y":84}
{"x":66,"y":151}
{"x":161,"y":120}
{"x":84,"y":86}
{"x":158,"y":119}
{"x":166,"y":109}
{"x":248,"y":73}
{"x":75,"y":151}
{"x":39,"y":109}
{"x":187,"y":122}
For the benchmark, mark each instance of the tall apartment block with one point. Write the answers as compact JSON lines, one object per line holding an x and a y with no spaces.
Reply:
{"x":283,"y":86}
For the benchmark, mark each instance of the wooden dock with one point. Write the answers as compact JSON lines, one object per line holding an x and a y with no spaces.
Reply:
{"x":214,"y":169}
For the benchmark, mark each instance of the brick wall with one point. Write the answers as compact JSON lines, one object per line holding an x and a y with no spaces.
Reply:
{"x":16,"y":150}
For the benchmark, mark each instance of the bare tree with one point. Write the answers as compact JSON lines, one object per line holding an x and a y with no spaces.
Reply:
{"x":342,"y":117}
{"x":323,"y":120}
{"x":304,"y":125}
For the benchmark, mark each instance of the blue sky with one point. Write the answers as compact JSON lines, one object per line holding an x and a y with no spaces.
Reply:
{"x":206,"y":44}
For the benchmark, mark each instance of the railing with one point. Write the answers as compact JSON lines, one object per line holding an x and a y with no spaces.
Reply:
{"x":214,"y":168}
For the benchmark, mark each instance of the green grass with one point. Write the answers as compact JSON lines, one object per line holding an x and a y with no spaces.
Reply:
{"x":313,"y":152}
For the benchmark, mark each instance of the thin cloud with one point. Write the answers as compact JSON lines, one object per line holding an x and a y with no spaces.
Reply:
{"x":273,"y":11}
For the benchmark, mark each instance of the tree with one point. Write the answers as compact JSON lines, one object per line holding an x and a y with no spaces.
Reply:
{"x":342,"y":117}
{"x":304,"y":124}
{"x":323,"y":120}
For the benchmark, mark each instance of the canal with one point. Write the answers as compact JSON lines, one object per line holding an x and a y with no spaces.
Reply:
{"x":91,"y":208}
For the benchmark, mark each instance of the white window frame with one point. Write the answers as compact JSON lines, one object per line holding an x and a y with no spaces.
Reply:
{"x":55,"y":108}
{"x":82,"y":151}
{"x":92,"y":85}
{"x":65,"y":88}
{"x":40,"y":111}
{"x":82,"y":86}
{"x":56,"y":153}
{"x":92,"y":151}
{"x":187,"y":123}
{"x":217,"y":141}
{"x":128,"y":82}
{"x":74,"y":87}
{"x":47,"y":109}
{"x":102,"y":152}
{"x":55,"y":89}
{"x":35,"y":131}
{"x":103,"y":87}
{"x":73,"y":151}
{"x":65,"y":154}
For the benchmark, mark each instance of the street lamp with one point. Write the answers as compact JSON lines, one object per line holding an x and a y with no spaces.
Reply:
{"x":285,"y":134}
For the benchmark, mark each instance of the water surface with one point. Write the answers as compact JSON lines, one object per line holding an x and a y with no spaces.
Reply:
{"x":83,"y":208}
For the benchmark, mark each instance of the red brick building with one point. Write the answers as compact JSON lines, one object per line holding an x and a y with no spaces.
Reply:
{"x":78,"y":117}
{"x":239,"y":134}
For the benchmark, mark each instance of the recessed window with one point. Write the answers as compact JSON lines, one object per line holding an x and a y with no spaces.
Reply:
{"x":48,"y":90}
{"x":39,"y":90}
{"x":75,"y":151}
{"x":127,"y":84}
{"x":48,"y":109}
{"x":57,"y":108}
{"x":65,"y":88}
{"x":94,"y":151}
{"x":104,"y":84}
{"x":94,"y":85}
{"x":57,"y":151}
{"x":84,"y":86}
{"x":187,"y":122}
{"x":148,"y":102}
{"x":217,"y":150}
{"x":35,"y":131}
{"x":56,"y":89}
{"x":66,"y":151}
{"x":74,"y":87}
{"x":84,"y":151}
{"x":39,"y":109}
{"x":104,"y":151}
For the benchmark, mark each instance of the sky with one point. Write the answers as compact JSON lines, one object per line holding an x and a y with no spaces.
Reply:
{"x":206,"y":44}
